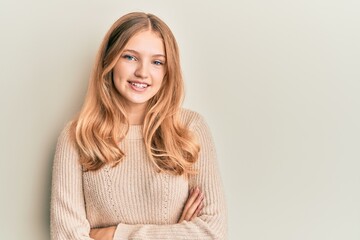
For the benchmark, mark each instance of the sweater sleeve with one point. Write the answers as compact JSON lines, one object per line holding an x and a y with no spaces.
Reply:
{"x":212,"y":222}
{"x":67,"y":215}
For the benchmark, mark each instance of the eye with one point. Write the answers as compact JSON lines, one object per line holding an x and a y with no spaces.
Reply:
{"x":157,"y":62}
{"x":129,"y":57}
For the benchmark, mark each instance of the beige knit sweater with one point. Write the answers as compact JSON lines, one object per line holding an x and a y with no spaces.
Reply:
{"x":142,"y":204}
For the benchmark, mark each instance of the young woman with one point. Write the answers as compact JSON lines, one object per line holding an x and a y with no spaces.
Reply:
{"x":134,"y":164}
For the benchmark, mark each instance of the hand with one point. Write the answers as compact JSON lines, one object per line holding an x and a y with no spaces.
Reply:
{"x":193,"y":205}
{"x":103,"y":233}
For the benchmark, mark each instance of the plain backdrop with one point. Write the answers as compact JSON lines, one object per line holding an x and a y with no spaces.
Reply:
{"x":277,"y":81}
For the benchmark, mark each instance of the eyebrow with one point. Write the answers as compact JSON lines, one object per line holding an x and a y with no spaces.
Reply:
{"x":133,"y":51}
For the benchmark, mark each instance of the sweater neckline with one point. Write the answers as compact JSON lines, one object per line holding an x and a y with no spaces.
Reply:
{"x":135,"y":132}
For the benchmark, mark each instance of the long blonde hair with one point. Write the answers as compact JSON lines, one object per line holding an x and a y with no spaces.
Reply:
{"x":102,"y":122}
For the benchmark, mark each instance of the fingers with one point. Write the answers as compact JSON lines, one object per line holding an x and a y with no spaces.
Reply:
{"x":192,"y":198}
{"x":199,"y":208}
{"x":193,"y":205}
{"x":105,"y":233}
{"x":194,"y":192}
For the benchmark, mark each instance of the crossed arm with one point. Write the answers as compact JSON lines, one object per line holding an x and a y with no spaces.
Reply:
{"x":191,"y":210}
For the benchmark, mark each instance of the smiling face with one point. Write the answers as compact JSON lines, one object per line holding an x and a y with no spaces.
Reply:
{"x":140,"y":70}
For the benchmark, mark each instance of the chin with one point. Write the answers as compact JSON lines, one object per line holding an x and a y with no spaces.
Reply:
{"x":137,"y":101}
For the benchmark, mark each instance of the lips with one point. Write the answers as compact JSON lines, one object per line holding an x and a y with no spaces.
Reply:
{"x":138,"y":84}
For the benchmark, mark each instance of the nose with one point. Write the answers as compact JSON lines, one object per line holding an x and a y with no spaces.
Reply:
{"x":142,"y":70}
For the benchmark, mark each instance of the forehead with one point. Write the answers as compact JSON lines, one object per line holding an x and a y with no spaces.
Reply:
{"x":146,"y":42}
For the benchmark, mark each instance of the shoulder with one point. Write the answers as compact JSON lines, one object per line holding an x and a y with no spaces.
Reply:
{"x":192,"y":119}
{"x":65,"y":139}
{"x":66,"y":153}
{"x":189,"y":117}
{"x":66,"y":131}
{"x":197,"y":124}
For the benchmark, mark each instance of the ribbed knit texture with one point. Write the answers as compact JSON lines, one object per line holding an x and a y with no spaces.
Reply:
{"x":142,"y":203}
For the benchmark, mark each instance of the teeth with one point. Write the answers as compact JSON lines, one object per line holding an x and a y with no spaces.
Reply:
{"x":139,"y":85}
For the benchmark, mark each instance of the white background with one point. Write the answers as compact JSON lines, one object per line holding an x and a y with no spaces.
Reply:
{"x":278,"y":82}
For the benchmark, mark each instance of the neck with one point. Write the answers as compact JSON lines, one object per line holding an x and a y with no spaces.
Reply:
{"x":136,"y":114}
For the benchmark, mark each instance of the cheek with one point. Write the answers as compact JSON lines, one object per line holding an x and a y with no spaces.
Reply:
{"x":159,"y":76}
{"x":117,"y":85}
{"x":122,"y":70}
{"x":119,"y":78}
